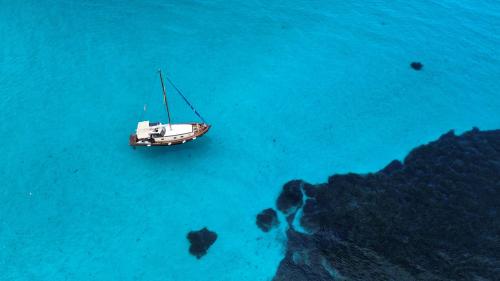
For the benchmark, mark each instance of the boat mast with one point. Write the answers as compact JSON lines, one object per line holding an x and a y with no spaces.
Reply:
{"x":165,"y":99}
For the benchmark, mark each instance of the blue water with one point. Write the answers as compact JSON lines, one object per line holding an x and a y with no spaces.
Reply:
{"x":329,"y":81}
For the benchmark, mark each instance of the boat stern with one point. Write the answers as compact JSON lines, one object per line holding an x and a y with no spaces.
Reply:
{"x":132,"y":139}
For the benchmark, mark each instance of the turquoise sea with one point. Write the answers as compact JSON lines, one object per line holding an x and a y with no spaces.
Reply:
{"x":293,"y":89}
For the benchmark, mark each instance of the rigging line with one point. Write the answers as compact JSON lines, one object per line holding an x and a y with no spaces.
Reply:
{"x":184,"y":98}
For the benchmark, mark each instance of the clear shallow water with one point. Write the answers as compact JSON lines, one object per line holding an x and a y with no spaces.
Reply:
{"x":329,"y":81}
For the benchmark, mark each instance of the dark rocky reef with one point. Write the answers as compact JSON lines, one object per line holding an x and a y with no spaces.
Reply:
{"x":267,"y":219}
{"x":290,"y":198}
{"x":416,"y":65}
{"x":200,"y":241}
{"x":433,"y":217}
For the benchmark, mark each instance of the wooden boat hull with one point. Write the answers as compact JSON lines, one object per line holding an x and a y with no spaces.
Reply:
{"x":200,"y":130}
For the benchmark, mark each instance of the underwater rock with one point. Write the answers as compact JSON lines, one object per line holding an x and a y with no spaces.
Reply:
{"x":309,"y":189}
{"x":267,"y":219}
{"x":290,"y":198}
{"x":433,"y":217}
{"x":392,"y":167}
{"x":416,"y":65}
{"x":200,"y":241}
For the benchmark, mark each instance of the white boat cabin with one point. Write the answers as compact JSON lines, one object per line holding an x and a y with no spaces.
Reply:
{"x":163,"y":132}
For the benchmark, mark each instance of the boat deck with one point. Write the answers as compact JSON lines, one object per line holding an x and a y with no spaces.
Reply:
{"x":180,"y":136}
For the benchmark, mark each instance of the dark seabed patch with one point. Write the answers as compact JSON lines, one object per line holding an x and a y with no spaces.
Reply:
{"x":267,"y":219}
{"x":290,"y":198}
{"x":416,"y":65}
{"x":200,"y":241}
{"x":432,"y":217}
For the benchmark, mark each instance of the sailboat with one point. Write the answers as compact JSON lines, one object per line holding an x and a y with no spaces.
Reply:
{"x":158,"y":134}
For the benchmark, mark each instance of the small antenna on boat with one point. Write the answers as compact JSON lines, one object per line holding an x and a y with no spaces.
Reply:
{"x":165,"y":99}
